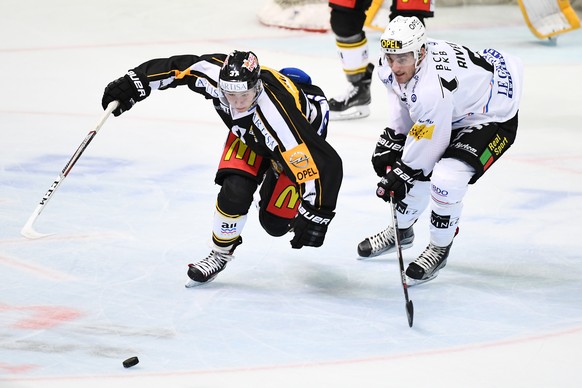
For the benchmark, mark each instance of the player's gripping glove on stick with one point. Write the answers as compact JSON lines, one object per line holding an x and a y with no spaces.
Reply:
{"x":128,"y":90}
{"x":388,"y":150}
{"x":310,"y":226}
{"x":399,"y":180}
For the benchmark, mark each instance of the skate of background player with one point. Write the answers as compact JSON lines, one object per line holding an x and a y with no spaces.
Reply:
{"x":109,"y":284}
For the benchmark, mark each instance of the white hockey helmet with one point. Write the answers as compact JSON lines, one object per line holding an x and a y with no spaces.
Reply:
{"x":404,"y":35}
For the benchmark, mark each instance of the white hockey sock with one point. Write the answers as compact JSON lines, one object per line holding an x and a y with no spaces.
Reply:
{"x":449,"y":184}
{"x":226,"y":229}
{"x":413,"y":205}
{"x":353,"y":52}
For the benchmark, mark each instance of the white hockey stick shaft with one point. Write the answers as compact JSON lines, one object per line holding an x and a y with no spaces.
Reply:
{"x":28,"y":229}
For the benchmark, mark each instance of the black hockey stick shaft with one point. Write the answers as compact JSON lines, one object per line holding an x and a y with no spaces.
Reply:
{"x":409,"y":305}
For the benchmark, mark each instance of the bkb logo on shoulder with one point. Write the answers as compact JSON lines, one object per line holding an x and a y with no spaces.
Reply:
{"x":391,"y":44}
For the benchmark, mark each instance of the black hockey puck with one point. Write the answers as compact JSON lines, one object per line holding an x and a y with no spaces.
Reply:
{"x":131,"y":361}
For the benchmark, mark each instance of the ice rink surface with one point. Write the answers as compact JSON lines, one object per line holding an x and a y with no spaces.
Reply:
{"x":137,"y":208}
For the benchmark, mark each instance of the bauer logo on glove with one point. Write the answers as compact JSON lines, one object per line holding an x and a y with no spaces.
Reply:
{"x":310,"y":226}
{"x":139,"y":86}
{"x":127,"y":90}
{"x":404,"y":176}
{"x":398,"y":180}
{"x":312,"y":217}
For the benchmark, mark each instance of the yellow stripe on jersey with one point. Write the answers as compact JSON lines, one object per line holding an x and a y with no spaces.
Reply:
{"x":182,"y":74}
{"x":286,"y":82}
{"x":165,"y":74}
{"x":298,"y":159}
{"x":291,"y":88}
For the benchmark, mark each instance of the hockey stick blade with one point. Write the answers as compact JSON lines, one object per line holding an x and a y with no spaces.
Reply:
{"x":409,"y":312}
{"x":29,"y":232}
{"x":28,"y":229}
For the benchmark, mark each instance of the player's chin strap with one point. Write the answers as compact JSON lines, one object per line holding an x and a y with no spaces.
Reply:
{"x":419,"y":57}
{"x":258,"y":89}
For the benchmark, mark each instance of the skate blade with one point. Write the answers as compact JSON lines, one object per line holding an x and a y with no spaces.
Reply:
{"x":410,"y":282}
{"x":192,"y":284}
{"x":353,"y":113}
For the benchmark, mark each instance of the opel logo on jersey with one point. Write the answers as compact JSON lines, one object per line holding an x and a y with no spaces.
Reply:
{"x":302,"y":164}
{"x":299,"y":160}
{"x":391,"y":44}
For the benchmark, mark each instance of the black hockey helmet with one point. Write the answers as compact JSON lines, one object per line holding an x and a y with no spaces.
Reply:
{"x":240,"y":72}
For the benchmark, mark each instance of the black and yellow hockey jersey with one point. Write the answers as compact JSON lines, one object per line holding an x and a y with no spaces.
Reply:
{"x":287,"y":123}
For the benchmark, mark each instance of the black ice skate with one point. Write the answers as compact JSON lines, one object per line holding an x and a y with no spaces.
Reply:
{"x":385,"y":242}
{"x":428,"y":264}
{"x":206,"y":270}
{"x":355,"y":104}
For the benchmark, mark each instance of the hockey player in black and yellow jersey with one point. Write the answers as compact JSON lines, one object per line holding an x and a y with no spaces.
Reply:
{"x":278,"y":124}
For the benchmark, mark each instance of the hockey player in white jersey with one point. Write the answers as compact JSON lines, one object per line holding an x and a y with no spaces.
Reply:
{"x":452,"y":113}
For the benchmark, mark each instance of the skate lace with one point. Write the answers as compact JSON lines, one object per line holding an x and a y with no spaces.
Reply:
{"x":431,"y":257}
{"x":352,"y":91}
{"x":382,"y":239}
{"x":213,"y":263}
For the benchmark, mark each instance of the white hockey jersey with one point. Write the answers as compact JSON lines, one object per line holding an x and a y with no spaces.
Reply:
{"x":453,"y":87}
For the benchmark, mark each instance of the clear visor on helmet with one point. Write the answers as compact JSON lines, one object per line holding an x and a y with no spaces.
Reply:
{"x":238,"y":95}
{"x":404,"y":59}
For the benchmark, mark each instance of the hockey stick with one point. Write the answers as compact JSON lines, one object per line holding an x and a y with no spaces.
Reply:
{"x":28,"y":229}
{"x":409,"y":305}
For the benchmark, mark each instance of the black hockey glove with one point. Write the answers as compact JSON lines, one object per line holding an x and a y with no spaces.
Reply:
{"x":128,"y":90}
{"x":399,"y":180}
{"x":388,"y":150}
{"x":310,"y":226}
